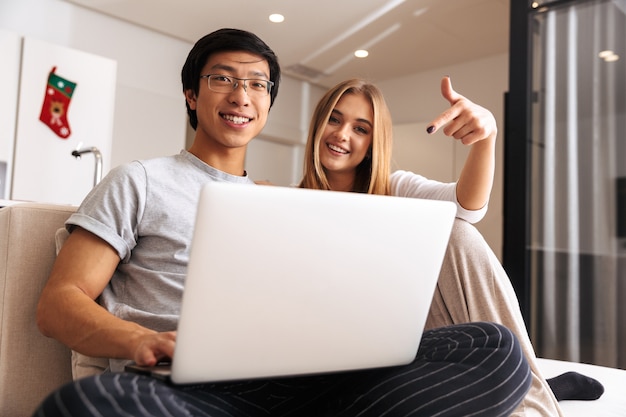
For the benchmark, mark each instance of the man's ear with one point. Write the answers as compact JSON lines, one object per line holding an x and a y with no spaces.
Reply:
{"x":190,"y":96}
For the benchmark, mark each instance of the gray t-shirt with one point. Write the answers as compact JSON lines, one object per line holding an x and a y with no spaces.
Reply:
{"x":146,"y":210}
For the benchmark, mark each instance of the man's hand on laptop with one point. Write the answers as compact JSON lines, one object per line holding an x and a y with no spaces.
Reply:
{"x":155,"y":348}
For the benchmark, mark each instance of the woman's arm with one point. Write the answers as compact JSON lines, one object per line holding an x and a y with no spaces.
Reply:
{"x":474,"y":126}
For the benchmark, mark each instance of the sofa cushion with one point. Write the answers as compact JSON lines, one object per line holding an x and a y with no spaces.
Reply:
{"x":31,"y":365}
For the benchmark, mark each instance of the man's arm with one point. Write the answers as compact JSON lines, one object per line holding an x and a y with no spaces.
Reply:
{"x":67,"y":310}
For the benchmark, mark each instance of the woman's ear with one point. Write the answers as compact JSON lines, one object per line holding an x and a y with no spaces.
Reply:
{"x":190,"y":96}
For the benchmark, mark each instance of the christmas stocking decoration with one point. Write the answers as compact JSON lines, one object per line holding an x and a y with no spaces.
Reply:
{"x":56,"y":101}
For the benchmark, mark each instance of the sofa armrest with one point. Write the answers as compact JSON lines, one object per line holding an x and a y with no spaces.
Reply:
{"x":31,"y":365}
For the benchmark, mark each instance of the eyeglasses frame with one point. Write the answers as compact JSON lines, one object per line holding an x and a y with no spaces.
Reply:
{"x":270,"y":84}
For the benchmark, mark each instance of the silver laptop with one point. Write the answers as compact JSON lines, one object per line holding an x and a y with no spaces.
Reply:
{"x":285,"y":281}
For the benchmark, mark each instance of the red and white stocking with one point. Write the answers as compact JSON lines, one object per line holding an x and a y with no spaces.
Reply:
{"x":56,"y":102}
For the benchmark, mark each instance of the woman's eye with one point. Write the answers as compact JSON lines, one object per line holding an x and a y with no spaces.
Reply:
{"x":362,"y":130}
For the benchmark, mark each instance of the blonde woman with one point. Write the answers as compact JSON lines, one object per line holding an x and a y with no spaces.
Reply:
{"x":349,"y":149}
{"x":354,"y":114}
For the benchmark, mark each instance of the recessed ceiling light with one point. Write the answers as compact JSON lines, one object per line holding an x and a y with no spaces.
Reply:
{"x":277,"y":18}
{"x":361,"y":53}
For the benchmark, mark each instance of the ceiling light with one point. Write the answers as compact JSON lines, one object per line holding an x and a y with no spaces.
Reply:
{"x":369,"y":44}
{"x":390,"y":5}
{"x":612,"y":58}
{"x":277,"y":18}
{"x":361,"y":53}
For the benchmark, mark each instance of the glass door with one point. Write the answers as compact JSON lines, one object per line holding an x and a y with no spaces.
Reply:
{"x":577,"y":180}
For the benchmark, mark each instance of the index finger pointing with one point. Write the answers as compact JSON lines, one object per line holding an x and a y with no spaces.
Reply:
{"x":444,"y":117}
{"x":452,"y":97}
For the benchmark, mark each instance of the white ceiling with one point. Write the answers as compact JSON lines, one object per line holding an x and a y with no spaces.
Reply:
{"x":318,"y":37}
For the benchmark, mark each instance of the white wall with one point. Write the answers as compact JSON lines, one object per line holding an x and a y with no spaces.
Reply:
{"x":88,"y":118}
{"x":10,"y":45}
{"x":150,"y":115}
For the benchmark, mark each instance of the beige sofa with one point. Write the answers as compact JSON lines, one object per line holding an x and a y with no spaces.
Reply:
{"x":31,"y":365}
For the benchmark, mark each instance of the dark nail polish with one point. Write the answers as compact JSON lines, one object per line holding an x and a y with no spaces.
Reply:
{"x":430,"y":129}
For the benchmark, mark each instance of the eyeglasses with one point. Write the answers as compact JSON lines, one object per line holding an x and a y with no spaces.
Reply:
{"x":226,"y":84}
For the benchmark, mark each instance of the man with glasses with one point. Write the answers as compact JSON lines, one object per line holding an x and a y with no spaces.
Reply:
{"x":115,"y":289}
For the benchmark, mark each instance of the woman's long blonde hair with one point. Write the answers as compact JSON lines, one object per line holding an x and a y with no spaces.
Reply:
{"x":372,"y":174}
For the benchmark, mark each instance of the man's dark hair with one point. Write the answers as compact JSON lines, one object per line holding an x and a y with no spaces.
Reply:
{"x":219,"y":41}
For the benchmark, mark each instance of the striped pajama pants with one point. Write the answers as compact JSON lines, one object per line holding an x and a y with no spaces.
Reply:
{"x":473,"y":369}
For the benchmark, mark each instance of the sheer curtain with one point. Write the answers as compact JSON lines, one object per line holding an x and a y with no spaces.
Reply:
{"x":578,"y":167}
